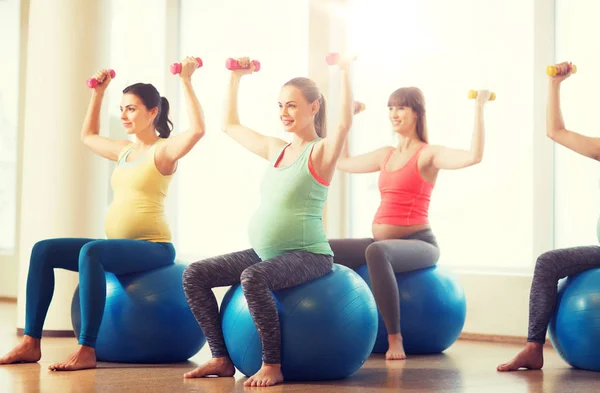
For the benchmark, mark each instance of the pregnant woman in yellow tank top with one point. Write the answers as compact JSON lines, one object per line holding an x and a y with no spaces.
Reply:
{"x":138,"y":236}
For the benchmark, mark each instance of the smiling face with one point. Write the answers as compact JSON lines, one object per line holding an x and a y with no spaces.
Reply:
{"x":407,"y":112}
{"x":295,"y":112}
{"x":403,"y":119}
{"x":135,"y":117}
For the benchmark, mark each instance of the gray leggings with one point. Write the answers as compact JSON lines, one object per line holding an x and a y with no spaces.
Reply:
{"x":384,"y":258}
{"x":551,"y":266}
{"x":258,"y":279}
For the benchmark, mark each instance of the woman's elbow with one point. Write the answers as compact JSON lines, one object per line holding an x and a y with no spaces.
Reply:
{"x":552,"y":133}
{"x":476,"y":159}
{"x":199,"y":133}
{"x":227,"y":126}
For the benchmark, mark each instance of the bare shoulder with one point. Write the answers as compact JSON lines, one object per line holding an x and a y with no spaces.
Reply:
{"x":383,"y":152}
{"x":429,"y":152}
{"x":122,"y":146}
{"x":274,"y":145}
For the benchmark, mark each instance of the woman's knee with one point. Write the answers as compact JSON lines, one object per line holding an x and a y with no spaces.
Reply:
{"x":546,"y":263}
{"x":90,"y":253}
{"x":40,"y":250}
{"x":197,"y":274}
{"x":252,"y":277}
{"x":375,"y":254}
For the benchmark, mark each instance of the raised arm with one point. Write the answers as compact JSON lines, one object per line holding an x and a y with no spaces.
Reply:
{"x":555,"y":125}
{"x":90,"y":131}
{"x":335,"y":141}
{"x":328,"y":151}
{"x":449,"y":158}
{"x":179,"y":145}
{"x":259,"y":144}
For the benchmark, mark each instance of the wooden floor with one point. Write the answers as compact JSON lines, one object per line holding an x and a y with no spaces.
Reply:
{"x":465,"y":367}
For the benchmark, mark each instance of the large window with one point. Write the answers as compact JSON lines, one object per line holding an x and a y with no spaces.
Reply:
{"x":9,"y":99}
{"x":577,"y":177}
{"x":219,"y":180}
{"x":482,"y":215}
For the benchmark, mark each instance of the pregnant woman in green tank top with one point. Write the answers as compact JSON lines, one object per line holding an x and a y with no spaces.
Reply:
{"x":289,"y":246}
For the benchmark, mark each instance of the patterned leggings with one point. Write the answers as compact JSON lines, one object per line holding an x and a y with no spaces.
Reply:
{"x":258,"y":279}
{"x":551,"y":266}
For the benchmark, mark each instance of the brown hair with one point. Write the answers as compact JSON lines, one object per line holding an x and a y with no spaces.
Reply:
{"x":311,"y":93}
{"x":412,"y":97}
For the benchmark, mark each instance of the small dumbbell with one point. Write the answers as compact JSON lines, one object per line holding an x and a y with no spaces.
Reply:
{"x":473,"y":94}
{"x":553,"y":70}
{"x":232,"y":64}
{"x":93,"y":82}
{"x":332,"y":58}
{"x":176,"y":67}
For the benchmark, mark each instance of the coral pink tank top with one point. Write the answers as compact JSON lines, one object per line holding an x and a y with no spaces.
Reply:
{"x":405,"y":195}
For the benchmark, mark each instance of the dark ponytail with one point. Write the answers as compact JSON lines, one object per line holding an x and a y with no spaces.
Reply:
{"x":163,"y":125}
{"x":152,"y":99}
{"x":321,"y":118}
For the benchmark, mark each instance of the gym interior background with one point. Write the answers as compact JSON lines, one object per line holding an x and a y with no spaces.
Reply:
{"x":527,"y":196}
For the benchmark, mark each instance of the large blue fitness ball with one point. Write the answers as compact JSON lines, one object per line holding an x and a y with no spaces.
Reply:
{"x":432,"y":310}
{"x":575,"y":326}
{"x":328,"y":327}
{"x":146,"y":319}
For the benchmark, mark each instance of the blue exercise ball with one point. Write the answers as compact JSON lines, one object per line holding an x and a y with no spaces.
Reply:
{"x":432,"y":310}
{"x":146,"y":318}
{"x":575,"y":326}
{"x":328,"y":327}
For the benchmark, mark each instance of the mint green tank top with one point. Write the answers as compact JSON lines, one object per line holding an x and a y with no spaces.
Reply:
{"x":290,"y":215}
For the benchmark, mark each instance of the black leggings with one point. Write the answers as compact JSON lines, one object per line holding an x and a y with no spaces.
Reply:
{"x":258,"y":279}
{"x":385,"y":258}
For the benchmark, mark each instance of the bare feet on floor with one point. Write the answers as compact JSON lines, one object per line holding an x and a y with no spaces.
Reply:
{"x":82,"y":359}
{"x":396,"y":349}
{"x":268,"y":375}
{"x":531,"y":358}
{"x":27,"y":351}
{"x":221,"y":367}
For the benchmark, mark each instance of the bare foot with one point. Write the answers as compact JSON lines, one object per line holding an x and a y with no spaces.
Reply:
{"x":221,"y":367}
{"x":27,"y":351}
{"x":83,"y":358}
{"x":268,"y":375}
{"x":531,"y":358}
{"x":396,"y":349}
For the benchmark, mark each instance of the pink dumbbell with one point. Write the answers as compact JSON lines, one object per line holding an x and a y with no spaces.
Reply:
{"x":176,"y":67}
{"x":233,"y":64}
{"x":93,"y":82}
{"x":332,"y":58}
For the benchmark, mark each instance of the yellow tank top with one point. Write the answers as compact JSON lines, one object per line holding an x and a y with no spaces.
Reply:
{"x":137,"y":210}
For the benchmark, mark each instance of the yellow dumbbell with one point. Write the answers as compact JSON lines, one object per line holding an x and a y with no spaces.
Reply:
{"x":553,"y":70}
{"x":473,"y":95}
